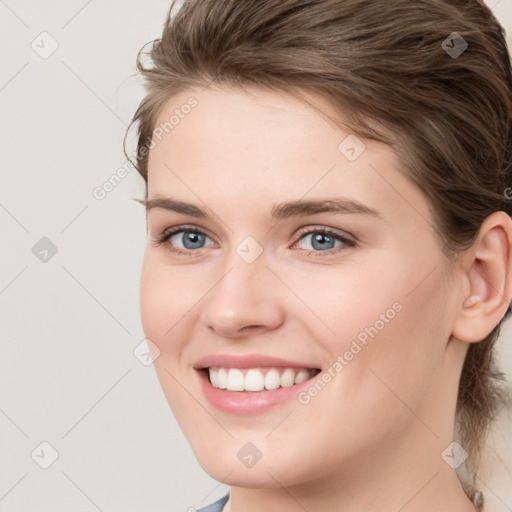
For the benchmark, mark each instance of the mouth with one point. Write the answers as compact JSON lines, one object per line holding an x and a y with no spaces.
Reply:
{"x":258,"y":379}
{"x":249,"y":384}
{"x":251,"y":391}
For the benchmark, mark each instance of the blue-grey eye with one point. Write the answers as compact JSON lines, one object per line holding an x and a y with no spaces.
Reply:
{"x":321,"y":241}
{"x":189,"y":239}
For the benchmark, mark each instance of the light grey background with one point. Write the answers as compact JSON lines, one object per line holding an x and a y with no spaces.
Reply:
{"x":69,"y":326}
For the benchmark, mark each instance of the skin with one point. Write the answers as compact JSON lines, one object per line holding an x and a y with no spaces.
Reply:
{"x":372,"y":439}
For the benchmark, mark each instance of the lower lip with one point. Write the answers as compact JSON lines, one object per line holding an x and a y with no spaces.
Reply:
{"x":245,"y":403}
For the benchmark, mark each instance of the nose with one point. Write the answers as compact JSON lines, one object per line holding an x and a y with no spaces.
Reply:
{"x":245,"y":301}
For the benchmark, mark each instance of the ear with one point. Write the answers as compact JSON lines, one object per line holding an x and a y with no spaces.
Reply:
{"x":488,"y":272}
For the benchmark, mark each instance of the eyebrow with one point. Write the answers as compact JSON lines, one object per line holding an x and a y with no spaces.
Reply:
{"x":279,"y":211}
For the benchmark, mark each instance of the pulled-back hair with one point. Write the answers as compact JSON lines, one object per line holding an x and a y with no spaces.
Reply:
{"x":395,"y":72}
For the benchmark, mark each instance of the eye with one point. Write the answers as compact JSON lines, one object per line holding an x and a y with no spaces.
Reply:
{"x":188,"y":240}
{"x":323,"y":241}
{"x":182,"y":240}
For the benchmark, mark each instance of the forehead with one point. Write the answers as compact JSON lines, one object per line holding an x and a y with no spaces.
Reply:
{"x":229,"y":120}
{"x":255,"y":146}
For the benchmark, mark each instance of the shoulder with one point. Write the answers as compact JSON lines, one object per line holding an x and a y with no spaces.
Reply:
{"x":215,"y":507}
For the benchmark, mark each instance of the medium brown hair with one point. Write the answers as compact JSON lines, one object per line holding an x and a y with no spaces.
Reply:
{"x":388,"y":69}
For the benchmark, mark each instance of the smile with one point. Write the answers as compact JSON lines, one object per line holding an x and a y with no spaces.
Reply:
{"x":257,"y":379}
{"x":249,"y":384}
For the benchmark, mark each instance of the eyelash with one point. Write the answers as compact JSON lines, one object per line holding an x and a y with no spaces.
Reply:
{"x":164,"y":238}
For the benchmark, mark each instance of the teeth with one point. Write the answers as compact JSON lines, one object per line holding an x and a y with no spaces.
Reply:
{"x":214,"y":377}
{"x":254,"y":379}
{"x":272,"y":379}
{"x":222,"y":379}
{"x":235,"y":380}
{"x":288,"y":378}
{"x":302,"y":376}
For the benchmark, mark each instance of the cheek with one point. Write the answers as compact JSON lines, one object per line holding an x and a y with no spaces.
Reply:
{"x":353,"y":300}
{"x":163,"y":303}
{"x":386,"y":328}
{"x":166,"y":296}
{"x":391,"y":342}
{"x":170,"y":302}
{"x":164,"y":317}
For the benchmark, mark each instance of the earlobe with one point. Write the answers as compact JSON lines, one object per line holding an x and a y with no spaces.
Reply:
{"x":489,"y":274}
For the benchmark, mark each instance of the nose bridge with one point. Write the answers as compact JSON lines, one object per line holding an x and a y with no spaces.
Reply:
{"x":241,"y":296}
{"x":244,"y":267}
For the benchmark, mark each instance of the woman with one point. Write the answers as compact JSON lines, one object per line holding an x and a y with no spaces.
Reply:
{"x":329,"y":256}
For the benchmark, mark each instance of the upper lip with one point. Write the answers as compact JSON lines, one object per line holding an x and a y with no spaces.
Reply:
{"x":246,"y":361}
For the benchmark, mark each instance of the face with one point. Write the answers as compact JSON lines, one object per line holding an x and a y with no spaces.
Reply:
{"x":299,"y":269}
